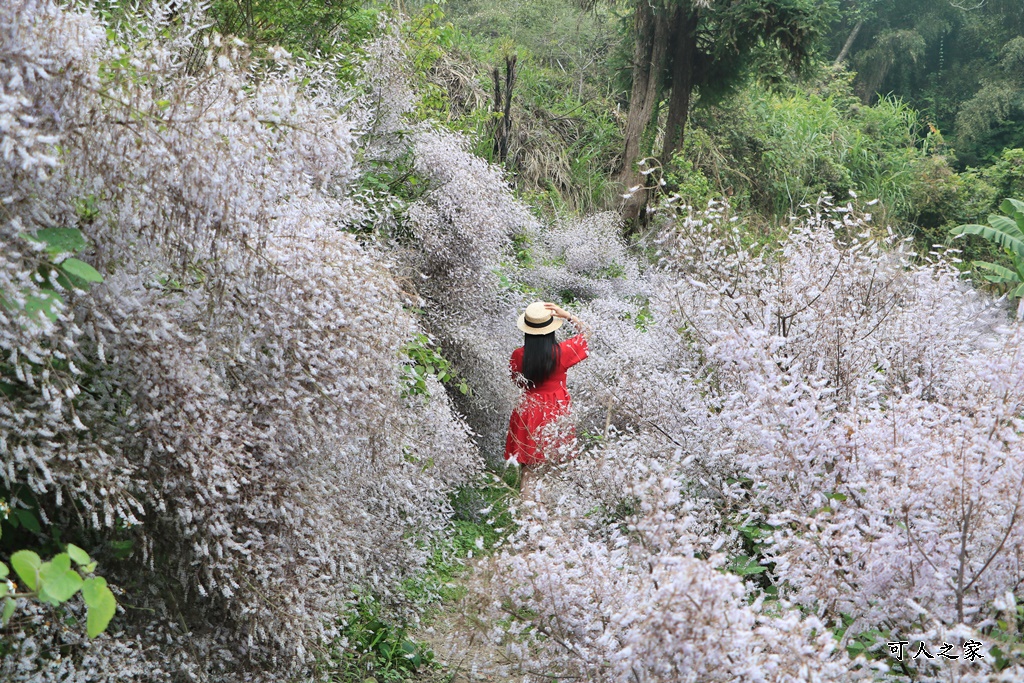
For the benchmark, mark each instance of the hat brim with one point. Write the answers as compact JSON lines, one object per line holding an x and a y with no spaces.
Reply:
{"x":550,"y":327}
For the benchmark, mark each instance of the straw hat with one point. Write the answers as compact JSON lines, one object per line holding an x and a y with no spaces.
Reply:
{"x":538,"y":320}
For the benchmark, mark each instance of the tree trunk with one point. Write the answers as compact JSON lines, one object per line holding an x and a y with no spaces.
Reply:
{"x":636,"y":119}
{"x":848,"y":44}
{"x":652,"y":26}
{"x":684,"y":29}
{"x":503,"y":108}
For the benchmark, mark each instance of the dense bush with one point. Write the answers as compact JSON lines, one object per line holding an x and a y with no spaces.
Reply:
{"x":231,"y":393}
{"x":789,"y":451}
{"x":824,"y":418}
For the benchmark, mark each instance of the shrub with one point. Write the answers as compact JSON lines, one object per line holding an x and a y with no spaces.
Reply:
{"x":1008,"y":233}
{"x":232,"y":391}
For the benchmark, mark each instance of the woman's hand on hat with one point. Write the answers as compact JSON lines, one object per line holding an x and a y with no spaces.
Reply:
{"x":556,"y":310}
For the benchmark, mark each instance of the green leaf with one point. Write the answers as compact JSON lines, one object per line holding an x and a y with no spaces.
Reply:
{"x":44,"y":301}
{"x":1012,"y":206}
{"x":57,"y":580}
{"x":412,"y":653}
{"x":8,"y":611}
{"x":59,"y":240}
{"x":4,"y":589}
{"x":745,"y":566}
{"x":28,"y":520}
{"x":836,"y":496}
{"x":100,"y":603}
{"x":1005,"y":224}
{"x":78,"y":555}
{"x":1013,"y":242}
{"x":81,"y":269}
{"x":26,"y":563}
{"x":122,"y":549}
{"x":89,"y":568}
{"x":4,"y":571}
{"x":999,"y":274}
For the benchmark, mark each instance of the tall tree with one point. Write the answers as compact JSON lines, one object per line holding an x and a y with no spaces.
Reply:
{"x":704,"y":45}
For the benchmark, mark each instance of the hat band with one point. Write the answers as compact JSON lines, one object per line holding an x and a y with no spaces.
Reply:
{"x":533,"y":324}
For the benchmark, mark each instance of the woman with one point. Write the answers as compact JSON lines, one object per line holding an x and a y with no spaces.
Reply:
{"x":539,"y":365}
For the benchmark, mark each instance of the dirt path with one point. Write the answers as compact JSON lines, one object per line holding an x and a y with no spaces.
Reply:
{"x":458,"y":637}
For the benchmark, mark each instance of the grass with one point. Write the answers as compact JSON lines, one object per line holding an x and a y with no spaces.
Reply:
{"x":379,"y":647}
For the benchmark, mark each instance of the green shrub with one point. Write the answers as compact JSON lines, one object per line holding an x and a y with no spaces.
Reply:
{"x":772,"y":150}
{"x":55,"y":582}
{"x":426,"y":360}
{"x":688,"y":182}
{"x":1007,"y":232}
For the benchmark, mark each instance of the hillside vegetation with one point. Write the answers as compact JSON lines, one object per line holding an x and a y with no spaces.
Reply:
{"x":260,"y":267}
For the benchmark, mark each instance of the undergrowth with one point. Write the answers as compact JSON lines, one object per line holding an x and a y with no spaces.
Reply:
{"x":374,"y":647}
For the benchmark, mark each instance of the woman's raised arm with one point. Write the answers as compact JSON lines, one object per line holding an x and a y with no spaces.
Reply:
{"x":581,"y":327}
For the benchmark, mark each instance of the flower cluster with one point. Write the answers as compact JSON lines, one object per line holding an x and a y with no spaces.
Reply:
{"x":874,"y":406}
{"x":228,"y":401}
{"x":856,"y":405}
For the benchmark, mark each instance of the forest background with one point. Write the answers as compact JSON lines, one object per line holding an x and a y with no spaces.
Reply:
{"x":473,"y":156}
{"x":917,"y":105}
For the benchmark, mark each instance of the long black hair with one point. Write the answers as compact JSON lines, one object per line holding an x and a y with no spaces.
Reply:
{"x":540,"y":356}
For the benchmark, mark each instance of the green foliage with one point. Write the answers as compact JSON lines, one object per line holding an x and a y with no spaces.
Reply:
{"x":1006,"y":175}
{"x":870,"y":643}
{"x":301,"y":26}
{"x":643,"y":317}
{"x":428,"y":38}
{"x":56,"y":581}
{"x":565,"y":128}
{"x":377,"y":649}
{"x":481,"y":522}
{"x":743,"y":565}
{"x":1007,"y":232}
{"x":773,"y":150}
{"x":687,"y":182}
{"x":749,"y":561}
{"x":101,"y":605}
{"x":59,"y":240}
{"x":958,"y":63}
{"x":425,"y":360}
{"x":56,"y":268}
{"x":769,"y":35}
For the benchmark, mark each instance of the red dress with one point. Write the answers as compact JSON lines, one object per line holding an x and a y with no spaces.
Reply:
{"x":540,"y":404}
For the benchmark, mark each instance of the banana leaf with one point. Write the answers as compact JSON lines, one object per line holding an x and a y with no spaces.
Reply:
{"x":997,"y":274}
{"x":1014,"y":241}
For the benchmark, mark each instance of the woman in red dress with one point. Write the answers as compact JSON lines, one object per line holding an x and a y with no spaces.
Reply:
{"x":539,"y":365}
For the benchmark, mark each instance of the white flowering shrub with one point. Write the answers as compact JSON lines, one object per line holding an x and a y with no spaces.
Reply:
{"x":636,"y":604}
{"x":462,"y":227}
{"x":873,"y":406}
{"x":584,"y":260}
{"x":827,"y":417}
{"x":232,"y":393}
